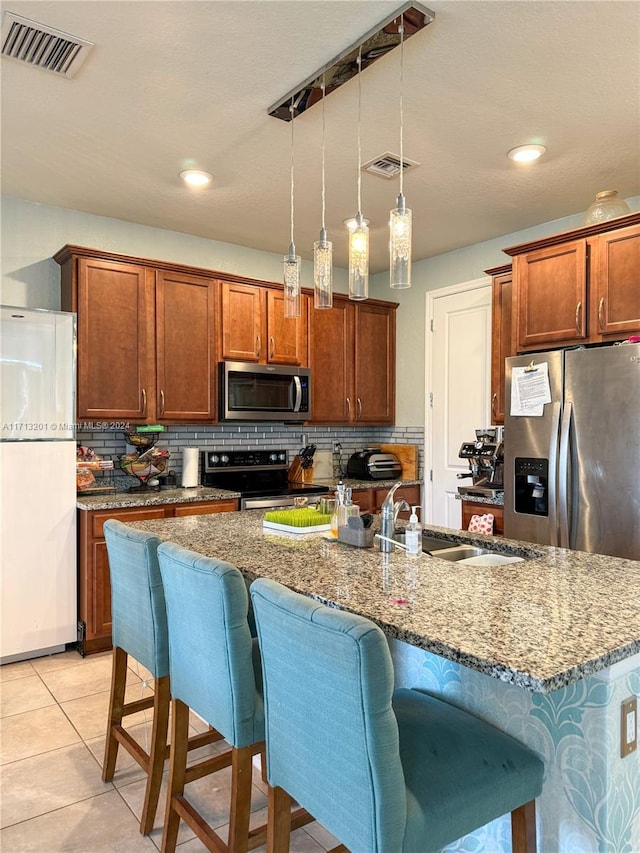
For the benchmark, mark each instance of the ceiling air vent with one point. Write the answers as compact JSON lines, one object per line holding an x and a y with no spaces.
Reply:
{"x":42,"y":46}
{"x":388,"y":166}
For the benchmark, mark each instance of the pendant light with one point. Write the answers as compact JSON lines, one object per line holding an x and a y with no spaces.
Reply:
{"x":400,"y":217}
{"x":359,"y":231}
{"x":291,"y":260}
{"x":323,"y":248}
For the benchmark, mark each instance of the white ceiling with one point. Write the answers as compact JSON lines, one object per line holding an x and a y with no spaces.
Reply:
{"x":176,"y":84}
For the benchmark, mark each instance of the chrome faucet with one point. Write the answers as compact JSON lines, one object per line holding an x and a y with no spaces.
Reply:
{"x":388,"y":517}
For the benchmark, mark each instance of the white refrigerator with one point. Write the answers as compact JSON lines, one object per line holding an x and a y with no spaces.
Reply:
{"x":38,"y":597}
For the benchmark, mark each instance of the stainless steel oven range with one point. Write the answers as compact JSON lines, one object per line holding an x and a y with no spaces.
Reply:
{"x":261,"y":477}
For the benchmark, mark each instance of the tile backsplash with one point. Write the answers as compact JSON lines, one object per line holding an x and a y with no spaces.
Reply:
{"x":111,"y":444}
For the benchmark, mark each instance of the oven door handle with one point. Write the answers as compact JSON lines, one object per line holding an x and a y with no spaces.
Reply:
{"x":298,"y":395}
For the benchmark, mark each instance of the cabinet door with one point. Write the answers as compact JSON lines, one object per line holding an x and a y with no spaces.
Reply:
{"x":469,"y":508}
{"x":375,"y":360}
{"x":615,"y":278}
{"x":552,"y":295}
{"x":365,"y":499}
{"x":185,"y":348}
{"x":411,"y":494}
{"x":331,"y":363}
{"x":501,"y":331}
{"x":182,"y":510}
{"x":242,"y":322}
{"x":115,"y":334}
{"x":286,"y":336}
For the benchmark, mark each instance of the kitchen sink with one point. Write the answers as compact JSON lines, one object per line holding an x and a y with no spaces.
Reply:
{"x":461,"y":552}
{"x":429,"y":543}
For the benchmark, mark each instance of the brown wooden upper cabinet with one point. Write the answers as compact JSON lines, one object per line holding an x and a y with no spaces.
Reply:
{"x":577,"y":287}
{"x":145,"y":338}
{"x":352,"y":360}
{"x":501,"y":335}
{"x":255,"y":329}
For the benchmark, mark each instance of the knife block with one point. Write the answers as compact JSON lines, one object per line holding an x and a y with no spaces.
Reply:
{"x":298,"y":474}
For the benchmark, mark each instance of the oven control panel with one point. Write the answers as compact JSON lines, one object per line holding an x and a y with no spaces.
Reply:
{"x":242,"y":460}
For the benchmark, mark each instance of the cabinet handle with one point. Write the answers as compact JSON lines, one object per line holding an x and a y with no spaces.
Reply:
{"x":272,"y":346}
{"x":161,"y":402}
{"x":144,"y":401}
{"x":578,"y":313}
{"x":494,"y":400}
{"x":359,"y":402}
{"x":348,"y":407}
{"x":601,"y":312}
{"x":258,"y":345}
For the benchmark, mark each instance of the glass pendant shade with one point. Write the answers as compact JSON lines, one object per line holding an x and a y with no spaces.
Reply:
{"x":359,"y":259}
{"x":400,"y":225}
{"x":292,"y":283}
{"x":323,"y":272}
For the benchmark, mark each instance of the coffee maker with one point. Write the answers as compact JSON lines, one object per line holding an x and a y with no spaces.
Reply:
{"x":485,"y":456}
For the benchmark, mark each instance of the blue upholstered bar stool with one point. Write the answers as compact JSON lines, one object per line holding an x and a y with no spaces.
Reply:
{"x":215,"y":670}
{"x":385,"y":771}
{"x":140,"y":630}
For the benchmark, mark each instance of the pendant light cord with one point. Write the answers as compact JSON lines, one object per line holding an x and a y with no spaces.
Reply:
{"x":359,"y":115}
{"x":323,"y":131}
{"x":401,"y":104}
{"x":292,"y":173}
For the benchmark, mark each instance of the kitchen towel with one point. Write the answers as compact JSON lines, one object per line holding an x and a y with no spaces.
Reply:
{"x":189,"y":467}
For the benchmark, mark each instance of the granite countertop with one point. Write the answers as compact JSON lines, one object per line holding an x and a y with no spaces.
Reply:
{"x":540,"y":624}
{"x":498,"y":500}
{"x":332,"y":482}
{"x":123,"y":500}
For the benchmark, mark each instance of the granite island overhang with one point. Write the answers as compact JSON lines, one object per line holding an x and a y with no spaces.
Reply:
{"x":541,"y":624}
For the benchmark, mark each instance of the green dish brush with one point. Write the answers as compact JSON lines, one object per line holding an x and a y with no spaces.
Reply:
{"x":302,"y":517}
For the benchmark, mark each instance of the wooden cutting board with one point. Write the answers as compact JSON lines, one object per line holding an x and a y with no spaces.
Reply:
{"x":408,"y":456}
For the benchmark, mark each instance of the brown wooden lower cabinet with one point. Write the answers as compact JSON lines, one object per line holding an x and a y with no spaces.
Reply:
{"x":470,"y":508}
{"x":94,"y":588}
{"x":370,"y":500}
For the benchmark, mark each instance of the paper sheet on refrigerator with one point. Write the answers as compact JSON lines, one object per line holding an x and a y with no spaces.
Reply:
{"x":530,"y":390}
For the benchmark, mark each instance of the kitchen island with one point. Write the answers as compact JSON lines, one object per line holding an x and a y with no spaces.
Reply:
{"x":546,"y":649}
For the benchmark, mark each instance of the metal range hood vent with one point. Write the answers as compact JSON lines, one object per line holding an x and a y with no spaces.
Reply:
{"x":388,"y":166}
{"x":42,"y":46}
{"x":376,"y":43}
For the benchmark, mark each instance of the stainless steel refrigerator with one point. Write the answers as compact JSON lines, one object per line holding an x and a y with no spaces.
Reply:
{"x":572,"y":464}
{"x":37,"y":482}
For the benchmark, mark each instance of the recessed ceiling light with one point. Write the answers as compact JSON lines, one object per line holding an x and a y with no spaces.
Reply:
{"x":526,"y":153}
{"x":196,"y":177}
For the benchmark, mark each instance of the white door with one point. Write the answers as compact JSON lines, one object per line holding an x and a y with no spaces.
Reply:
{"x":458,"y":392}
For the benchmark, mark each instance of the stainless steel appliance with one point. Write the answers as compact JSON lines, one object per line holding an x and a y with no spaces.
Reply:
{"x":372,"y":464}
{"x":37,"y":482}
{"x":261,"y":477}
{"x":263,"y":392}
{"x":485,"y":456}
{"x":572,"y":474}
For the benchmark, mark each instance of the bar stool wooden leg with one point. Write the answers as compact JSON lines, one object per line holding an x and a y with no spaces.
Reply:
{"x":177,"y":773}
{"x":116,"y":705}
{"x":157,"y":752}
{"x":523,"y":828}
{"x":278,"y":826}
{"x":241,"y":770}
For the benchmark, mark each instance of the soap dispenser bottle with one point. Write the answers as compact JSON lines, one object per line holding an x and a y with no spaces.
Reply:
{"x":413,"y":534}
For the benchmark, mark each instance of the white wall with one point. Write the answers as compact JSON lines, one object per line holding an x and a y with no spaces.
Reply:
{"x":33,"y":233}
{"x":464,"y":264}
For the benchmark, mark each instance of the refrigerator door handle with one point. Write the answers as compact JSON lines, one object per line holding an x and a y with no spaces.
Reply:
{"x":563,"y":475}
{"x":553,"y":474}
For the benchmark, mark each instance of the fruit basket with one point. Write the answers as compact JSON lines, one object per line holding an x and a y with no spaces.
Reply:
{"x":145,"y":467}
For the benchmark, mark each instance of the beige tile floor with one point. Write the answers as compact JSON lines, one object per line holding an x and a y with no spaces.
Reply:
{"x":52,"y":799}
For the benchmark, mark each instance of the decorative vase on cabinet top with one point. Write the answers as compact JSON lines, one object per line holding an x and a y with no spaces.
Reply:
{"x":606,"y":206}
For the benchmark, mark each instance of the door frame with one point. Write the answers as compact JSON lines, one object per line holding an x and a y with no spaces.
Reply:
{"x":432,"y":295}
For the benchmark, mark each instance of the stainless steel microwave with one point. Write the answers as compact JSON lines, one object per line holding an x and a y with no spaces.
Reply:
{"x":263,"y":392}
